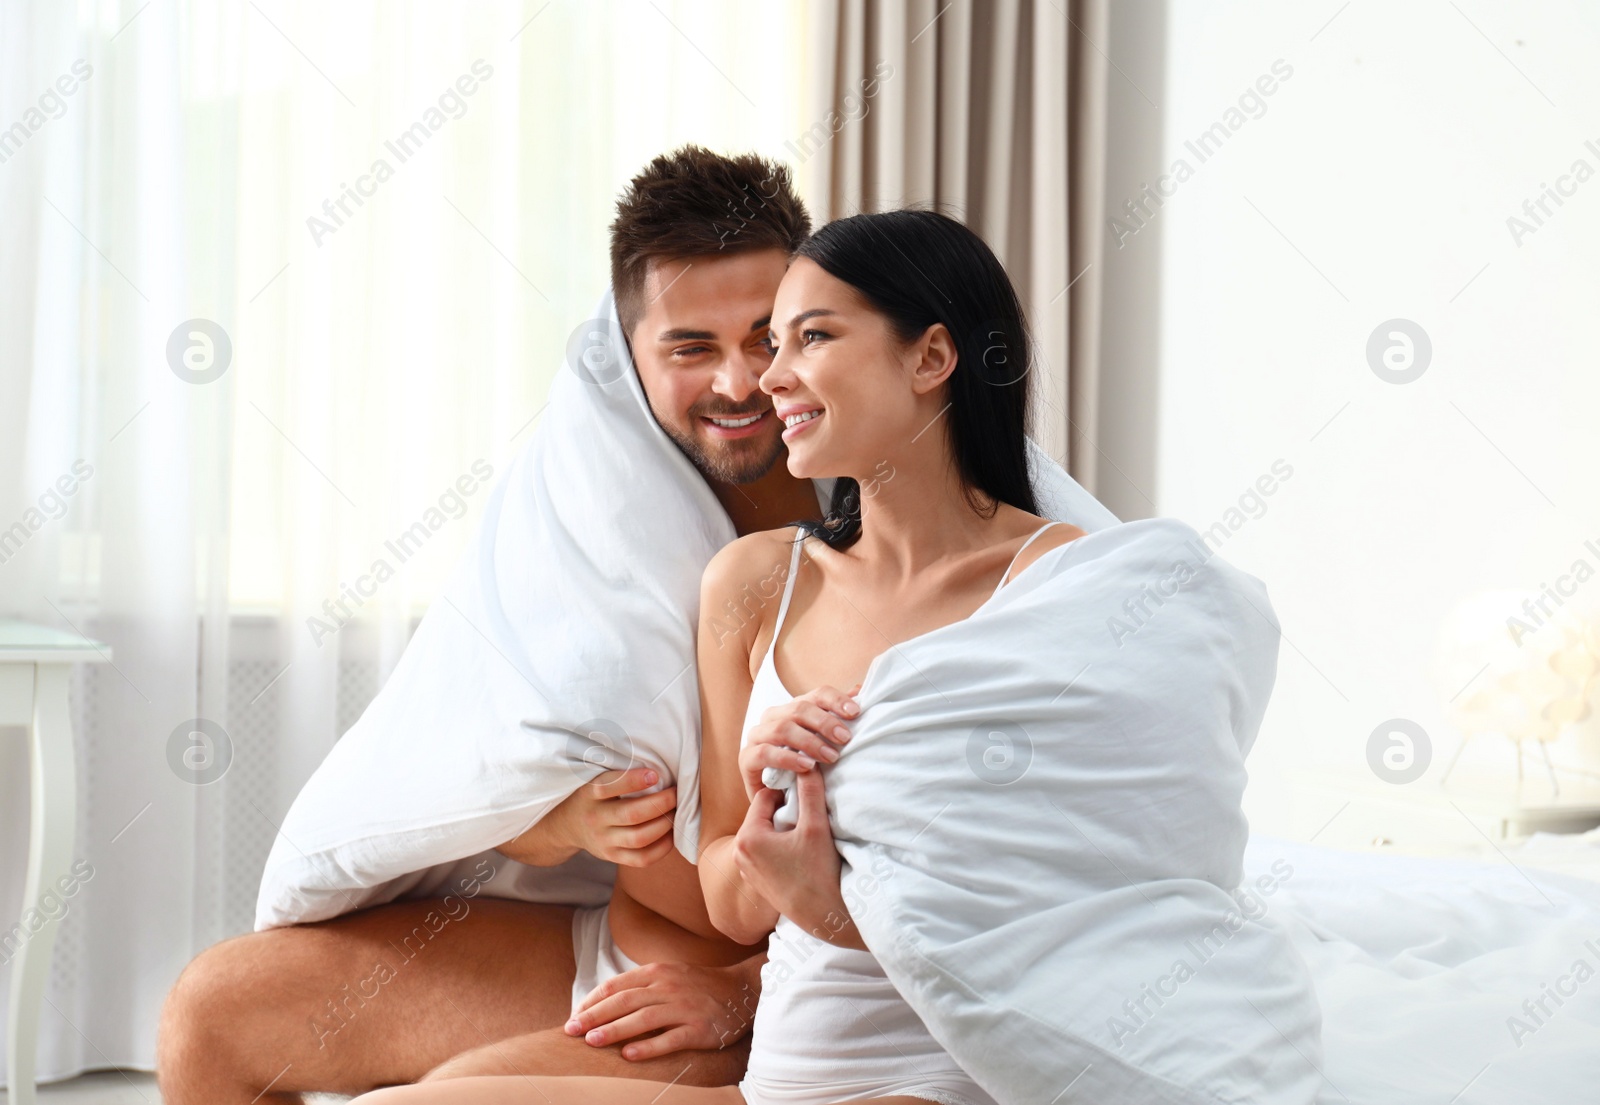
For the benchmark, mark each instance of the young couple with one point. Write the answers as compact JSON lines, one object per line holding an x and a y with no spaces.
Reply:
{"x":865,"y":353}
{"x":875,"y":364}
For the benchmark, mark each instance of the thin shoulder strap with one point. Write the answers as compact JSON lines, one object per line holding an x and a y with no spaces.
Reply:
{"x":788,"y":587}
{"x":1007,"y":573}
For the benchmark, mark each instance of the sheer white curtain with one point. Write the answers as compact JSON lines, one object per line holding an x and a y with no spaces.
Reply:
{"x":392,"y":216}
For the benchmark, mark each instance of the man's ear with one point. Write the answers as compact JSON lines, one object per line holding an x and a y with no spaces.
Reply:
{"x":936,"y":357}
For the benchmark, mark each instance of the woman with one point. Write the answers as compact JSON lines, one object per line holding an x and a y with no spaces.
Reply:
{"x":900,"y":367}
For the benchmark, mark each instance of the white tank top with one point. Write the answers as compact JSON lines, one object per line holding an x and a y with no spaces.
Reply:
{"x":829,"y":1019}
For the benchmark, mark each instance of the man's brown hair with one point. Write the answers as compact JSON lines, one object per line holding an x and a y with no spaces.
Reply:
{"x":694,"y":203}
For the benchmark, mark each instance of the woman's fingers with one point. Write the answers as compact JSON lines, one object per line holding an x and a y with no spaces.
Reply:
{"x":820,"y":721}
{"x":607,"y":1008}
{"x":625,"y":1028}
{"x":763,"y":807}
{"x":796,"y":736}
{"x":674,"y":1039}
{"x":813,"y":803}
{"x":755,"y":759}
{"x":838,"y":702}
{"x":801,"y":738}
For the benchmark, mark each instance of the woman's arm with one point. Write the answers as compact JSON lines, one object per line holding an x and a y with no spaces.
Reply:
{"x":724,"y":648}
{"x":745,"y":890}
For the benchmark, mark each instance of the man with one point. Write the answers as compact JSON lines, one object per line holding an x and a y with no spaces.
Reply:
{"x":697,"y":251}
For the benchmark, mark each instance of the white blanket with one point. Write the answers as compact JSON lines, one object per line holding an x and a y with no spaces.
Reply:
{"x":562,"y":645}
{"x":1039,"y":813}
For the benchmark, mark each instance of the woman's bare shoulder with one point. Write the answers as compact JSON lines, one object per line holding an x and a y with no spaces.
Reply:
{"x":740,"y":582}
{"x":1053,"y":538}
{"x":750,"y":560}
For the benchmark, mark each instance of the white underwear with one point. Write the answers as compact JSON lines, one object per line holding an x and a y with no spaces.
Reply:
{"x":830,"y":1026}
{"x":810,"y":1009}
{"x":954,"y":1091}
{"x":594,"y":951}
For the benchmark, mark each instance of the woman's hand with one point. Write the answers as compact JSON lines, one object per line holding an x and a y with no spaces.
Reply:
{"x":796,"y":870}
{"x":688,"y":1007}
{"x":795,"y":735}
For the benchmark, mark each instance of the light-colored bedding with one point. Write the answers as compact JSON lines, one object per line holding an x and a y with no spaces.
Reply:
{"x":1447,"y":980}
{"x":1039,"y":812}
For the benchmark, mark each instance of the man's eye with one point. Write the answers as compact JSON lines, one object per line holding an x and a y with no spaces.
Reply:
{"x":691,"y":351}
{"x":769,"y":345}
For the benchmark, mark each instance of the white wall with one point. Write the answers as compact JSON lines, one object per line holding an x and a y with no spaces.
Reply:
{"x":1376,"y":183}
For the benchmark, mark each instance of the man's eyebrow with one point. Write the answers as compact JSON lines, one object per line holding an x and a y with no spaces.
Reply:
{"x":813,"y":313}
{"x":761,"y":323}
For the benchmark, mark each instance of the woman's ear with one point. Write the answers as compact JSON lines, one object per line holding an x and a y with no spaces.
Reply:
{"x":936,"y":357}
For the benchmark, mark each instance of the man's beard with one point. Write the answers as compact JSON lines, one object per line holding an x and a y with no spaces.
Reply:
{"x":742,"y":460}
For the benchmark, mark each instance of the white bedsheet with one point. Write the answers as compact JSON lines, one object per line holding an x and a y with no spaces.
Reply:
{"x":1423,"y":966}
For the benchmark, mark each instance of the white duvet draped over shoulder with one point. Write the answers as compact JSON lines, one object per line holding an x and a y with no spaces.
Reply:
{"x":562,"y":645}
{"x":1039,"y":813}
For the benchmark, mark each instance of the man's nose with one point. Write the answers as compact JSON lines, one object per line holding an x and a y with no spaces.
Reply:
{"x":738,"y":379}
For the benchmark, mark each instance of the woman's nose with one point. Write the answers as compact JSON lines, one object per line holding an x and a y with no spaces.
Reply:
{"x":776,"y":376}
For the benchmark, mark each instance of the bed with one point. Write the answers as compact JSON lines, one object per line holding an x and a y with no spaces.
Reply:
{"x":1449,"y":980}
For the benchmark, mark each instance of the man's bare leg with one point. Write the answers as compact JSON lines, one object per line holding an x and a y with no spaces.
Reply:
{"x":552,"y":1050}
{"x":378,"y":997}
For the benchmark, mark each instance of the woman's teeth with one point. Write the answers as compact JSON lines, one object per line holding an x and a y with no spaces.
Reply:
{"x":737,"y":423}
{"x":804,"y":416}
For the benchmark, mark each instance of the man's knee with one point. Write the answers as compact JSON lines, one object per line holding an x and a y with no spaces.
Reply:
{"x":205,"y":995}
{"x":210,"y":1007}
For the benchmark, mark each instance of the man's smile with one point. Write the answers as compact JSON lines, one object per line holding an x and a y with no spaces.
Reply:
{"x":729,"y":427}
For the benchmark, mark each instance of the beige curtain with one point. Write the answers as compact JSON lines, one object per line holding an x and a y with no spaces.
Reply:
{"x":994,"y":111}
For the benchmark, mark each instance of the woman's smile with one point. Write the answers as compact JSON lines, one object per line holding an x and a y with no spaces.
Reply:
{"x":796,"y":419}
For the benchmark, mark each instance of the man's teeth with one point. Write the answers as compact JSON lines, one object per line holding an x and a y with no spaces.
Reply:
{"x":736,"y":423}
{"x":803,"y":416}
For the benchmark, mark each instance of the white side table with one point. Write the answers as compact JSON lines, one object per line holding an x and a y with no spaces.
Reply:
{"x":34,"y":665}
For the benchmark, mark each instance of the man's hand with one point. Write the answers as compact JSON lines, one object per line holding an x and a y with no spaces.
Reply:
{"x":700,"y":1008}
{"x":796,"y":871}
{"x":600,"y":819}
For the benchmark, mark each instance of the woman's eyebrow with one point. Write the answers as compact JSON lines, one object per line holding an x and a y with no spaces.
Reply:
{"x":813,"y":313}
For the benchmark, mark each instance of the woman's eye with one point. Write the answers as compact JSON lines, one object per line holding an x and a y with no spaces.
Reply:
{"x":809,"y":336}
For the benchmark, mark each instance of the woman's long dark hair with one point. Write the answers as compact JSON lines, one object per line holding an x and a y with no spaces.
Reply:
{"x":918,"y":268}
